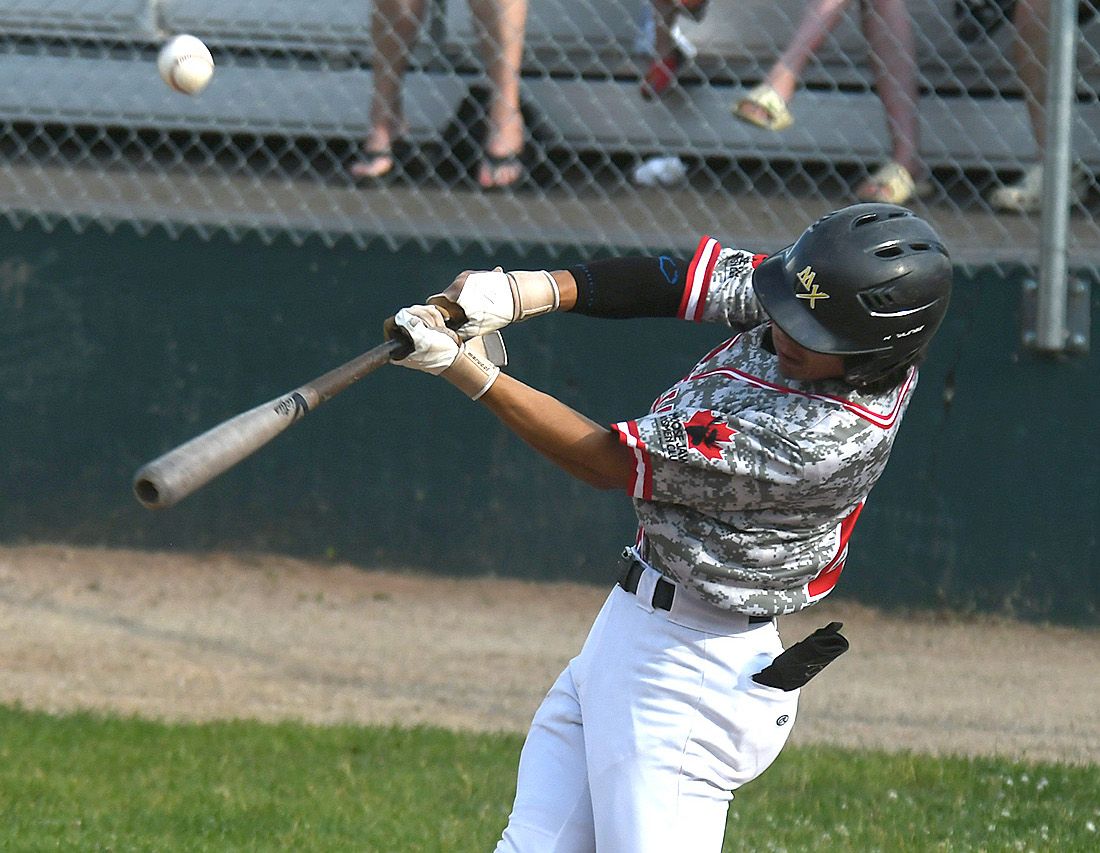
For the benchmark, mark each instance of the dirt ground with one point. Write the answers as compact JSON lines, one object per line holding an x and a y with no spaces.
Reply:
{"x":179,"y":637}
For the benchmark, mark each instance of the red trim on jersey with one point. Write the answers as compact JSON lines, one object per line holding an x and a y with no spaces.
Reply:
{"x":720,"y":347}
{"x":758,"y":259}
{"x":697,"y":284}
{"x":879,"y":419}
{"x":826,"y":579}
{"x":662,"y":403}
{"x":641,"y":481}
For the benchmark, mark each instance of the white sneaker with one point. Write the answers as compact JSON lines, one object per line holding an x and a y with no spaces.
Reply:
{"x":647,"y":34}
{"x":683,"y":43}
{"x":1026,"y":195}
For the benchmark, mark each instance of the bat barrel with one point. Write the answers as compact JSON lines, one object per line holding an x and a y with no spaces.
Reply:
{"x":170,"y":478}
{"x":157,"y":486}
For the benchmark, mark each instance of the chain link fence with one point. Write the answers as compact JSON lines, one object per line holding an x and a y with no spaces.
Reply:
{"x":90,"y":134}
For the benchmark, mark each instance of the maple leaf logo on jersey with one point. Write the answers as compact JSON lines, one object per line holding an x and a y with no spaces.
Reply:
{"x":707,"y":434}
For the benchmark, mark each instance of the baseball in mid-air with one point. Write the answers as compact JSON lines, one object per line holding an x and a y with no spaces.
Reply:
{"x":185,"y":64}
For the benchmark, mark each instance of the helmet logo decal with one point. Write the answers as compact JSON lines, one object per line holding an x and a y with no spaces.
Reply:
{"x":806,"y":279}
{"x":899,"y":335}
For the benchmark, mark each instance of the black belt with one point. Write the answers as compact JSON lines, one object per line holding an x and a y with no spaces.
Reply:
{"x":664,"y":593}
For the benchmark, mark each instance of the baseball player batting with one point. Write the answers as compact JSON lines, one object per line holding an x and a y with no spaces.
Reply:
{"x":747,"y":478}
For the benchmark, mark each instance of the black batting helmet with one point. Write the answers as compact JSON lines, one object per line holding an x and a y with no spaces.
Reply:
{"x":870,"y":282}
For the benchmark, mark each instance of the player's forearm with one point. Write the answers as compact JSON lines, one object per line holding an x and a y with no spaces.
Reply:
{"x":622,"y":287}
{"x":628,"y":287}
{"x":567,"y":289}
{"x":579,"y":446}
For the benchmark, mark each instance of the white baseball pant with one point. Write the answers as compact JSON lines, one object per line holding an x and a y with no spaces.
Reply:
{"x":639,"y":745}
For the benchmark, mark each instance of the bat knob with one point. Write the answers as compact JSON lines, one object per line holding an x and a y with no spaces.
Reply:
{"x":397,"y":339}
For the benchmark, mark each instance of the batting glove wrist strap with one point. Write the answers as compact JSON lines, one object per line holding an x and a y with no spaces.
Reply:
{"x":533,"y":294}
{"x":493,"y":300}
{"x":471,"y":372}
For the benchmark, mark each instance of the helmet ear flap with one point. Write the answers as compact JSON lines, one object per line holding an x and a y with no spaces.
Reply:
{"x":876,"y":372}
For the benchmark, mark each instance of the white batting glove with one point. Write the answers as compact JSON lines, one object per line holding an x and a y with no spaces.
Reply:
{"x":439,"y":351}
{"x":493,"y":300}
{"x":435,"y":347}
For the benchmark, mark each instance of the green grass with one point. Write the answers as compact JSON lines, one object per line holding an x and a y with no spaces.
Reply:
{"x":84,"y":782}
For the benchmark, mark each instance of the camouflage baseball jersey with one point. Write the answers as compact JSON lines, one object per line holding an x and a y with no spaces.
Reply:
{"x":747,"y":484}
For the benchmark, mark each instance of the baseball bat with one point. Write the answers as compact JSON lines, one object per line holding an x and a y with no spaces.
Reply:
{"x":170,"y":478}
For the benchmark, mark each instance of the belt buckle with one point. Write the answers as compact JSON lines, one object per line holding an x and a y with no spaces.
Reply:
{"x":626,"y":563}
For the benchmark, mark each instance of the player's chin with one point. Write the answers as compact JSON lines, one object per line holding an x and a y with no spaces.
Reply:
{"x":792,"y":369}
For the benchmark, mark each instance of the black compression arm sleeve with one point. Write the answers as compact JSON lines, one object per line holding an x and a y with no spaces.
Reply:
{"x":630,"y":287}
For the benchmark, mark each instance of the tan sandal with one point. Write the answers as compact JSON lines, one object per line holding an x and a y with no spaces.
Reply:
{"x":892,"y":183}
{"x":763,"y":99}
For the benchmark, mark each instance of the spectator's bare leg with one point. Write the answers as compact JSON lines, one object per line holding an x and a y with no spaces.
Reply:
{"x":889,"y":32}
{"x":394,"y":25}
{"x":501,"y":25}
{"x":819,"y":19}
{"x":665,"y":13}
{"x":1030,"y":49}
{"x":1031,"y":52}
{"x":668,"y":54}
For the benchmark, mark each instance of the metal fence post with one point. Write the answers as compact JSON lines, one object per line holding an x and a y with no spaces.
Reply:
{"x":1051,"y":311}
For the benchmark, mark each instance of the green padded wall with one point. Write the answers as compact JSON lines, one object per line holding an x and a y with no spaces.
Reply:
{"x":116,"y":347}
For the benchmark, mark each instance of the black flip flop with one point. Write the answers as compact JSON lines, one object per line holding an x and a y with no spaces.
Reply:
{"x":402,"y":154}
{"x":977,"y":18}
{"x":493,"y":162}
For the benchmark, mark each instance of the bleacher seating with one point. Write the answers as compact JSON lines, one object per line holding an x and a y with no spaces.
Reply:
{"x":568,"y":43}
{"x":736,"y":41}
{"x":301,"y":71}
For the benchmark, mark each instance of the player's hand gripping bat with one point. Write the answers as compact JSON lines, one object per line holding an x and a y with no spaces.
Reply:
{"x":172,"y":477}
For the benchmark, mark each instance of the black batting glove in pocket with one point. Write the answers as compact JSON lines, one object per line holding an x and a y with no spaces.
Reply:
{"x":802,"y":661}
